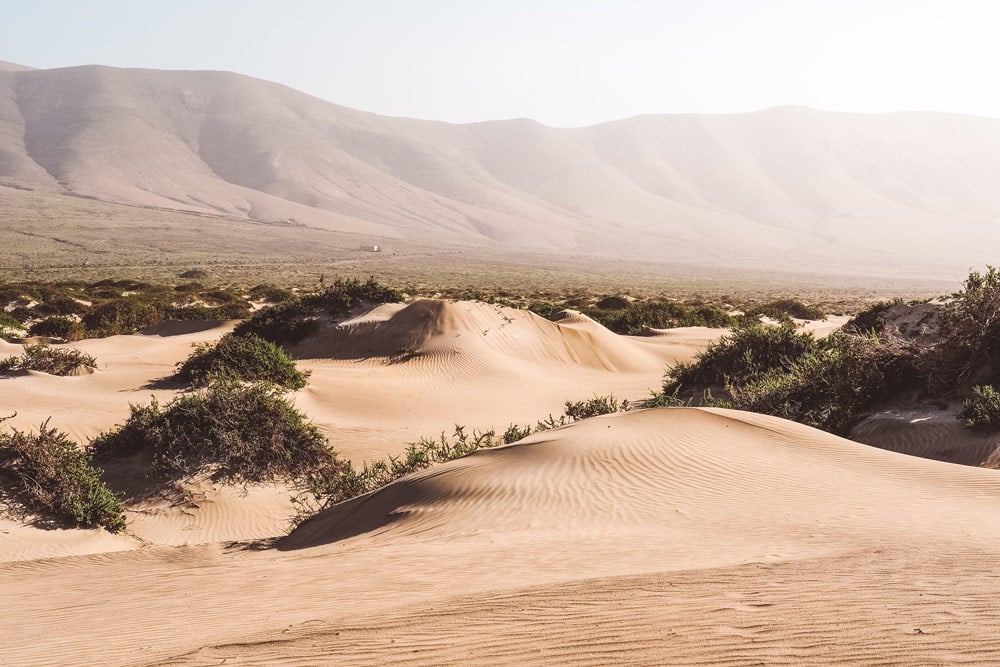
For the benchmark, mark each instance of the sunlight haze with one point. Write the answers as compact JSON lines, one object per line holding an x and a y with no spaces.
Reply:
{"x":593,"y":62}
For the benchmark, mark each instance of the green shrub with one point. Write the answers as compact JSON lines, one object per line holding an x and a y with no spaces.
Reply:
{"x":234,"y":310}
{"x":981,"y":411}
{"x":827,"y":388}
{"x":746,"y":352}
{"x":9,"y":321}
{"x":127,"y":315}
{"x":54,"y":479}
{"x":270,"y":294}
{"x":58,"y":326}
{"x":872,"y":318}
{"x":292,"y":321}
{"x":972,"y":327}
{"x":784,"y":309}
{"x":46,"y":359}
{"x":639,"y":316}
{"x":60,"y":305}
{"x":245,"y":432}
{"x":598,"y":405}
{"x":248,"y":358}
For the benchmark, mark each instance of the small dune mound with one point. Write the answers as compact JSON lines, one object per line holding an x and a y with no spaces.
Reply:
{"x":490,"y":334}
{"x":719,"y":483}
{"x":930,"y":433}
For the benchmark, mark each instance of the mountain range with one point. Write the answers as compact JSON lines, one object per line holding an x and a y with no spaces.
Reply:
{"x":777,"y":187}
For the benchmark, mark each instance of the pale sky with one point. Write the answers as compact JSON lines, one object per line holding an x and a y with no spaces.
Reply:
{"x":569,"y":63}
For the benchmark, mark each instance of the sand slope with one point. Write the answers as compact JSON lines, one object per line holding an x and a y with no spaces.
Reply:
{"x":670,"y":536}
{"x":468,"y":363}
{"x":401,"y":373}
{"x":766,"y":189}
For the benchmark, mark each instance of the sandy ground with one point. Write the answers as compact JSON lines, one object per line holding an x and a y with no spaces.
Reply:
{"x":667,"y":536}
{"x":466,"y":363}
{"x":670,"y":536}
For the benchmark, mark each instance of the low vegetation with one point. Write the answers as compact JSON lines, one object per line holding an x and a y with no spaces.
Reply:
{"x":244,"y":432}
{"x":73,"y":310}
{"x":783,"y":310}
{"x":58,"y":326}
{"x":981,"y":411}
{"x":47,"y":359}
{"x":296,"y":318}
{"x":247,"y":358}
{"x":51,"y":477}
{"x":638,"y":317}
{"x":939,"y":352}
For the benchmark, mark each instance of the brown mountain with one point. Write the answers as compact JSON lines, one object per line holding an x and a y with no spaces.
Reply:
{"x":775,"y":187}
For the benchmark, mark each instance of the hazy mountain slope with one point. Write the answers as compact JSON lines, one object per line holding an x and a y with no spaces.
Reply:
{"x":769,"y":187}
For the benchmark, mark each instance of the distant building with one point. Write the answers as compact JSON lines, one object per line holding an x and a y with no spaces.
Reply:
{"x":371,"y":247}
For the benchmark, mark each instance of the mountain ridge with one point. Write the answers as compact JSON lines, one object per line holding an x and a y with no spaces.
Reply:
{"x":776,"y":185}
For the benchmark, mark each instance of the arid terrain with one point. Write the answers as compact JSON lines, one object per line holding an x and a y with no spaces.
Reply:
{"x":659,"y":536}
{"x":524,"y":447}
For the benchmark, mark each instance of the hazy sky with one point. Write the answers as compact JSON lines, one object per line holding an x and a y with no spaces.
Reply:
{"x":563,"y":63}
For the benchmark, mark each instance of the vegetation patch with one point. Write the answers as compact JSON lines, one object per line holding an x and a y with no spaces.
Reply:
{"x":298,"y":317}
{"x":981,"y":411}
{"x":46,"y":359}
{"x":248,"y":358}
{"x":52,"y":477}
{"x":58,"y":326}
{"x":783,"y":310}
{"x":245,"y":432}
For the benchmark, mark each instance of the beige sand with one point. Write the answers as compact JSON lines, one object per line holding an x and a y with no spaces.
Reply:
{"x":670,"y":536}
{"x":466,"y":363}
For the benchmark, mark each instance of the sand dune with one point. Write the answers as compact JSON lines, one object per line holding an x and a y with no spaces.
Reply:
{"x":466,"y":363}
{"x":431,"y":364}
{"x":667,"y":536}
{"x":772,"y":188}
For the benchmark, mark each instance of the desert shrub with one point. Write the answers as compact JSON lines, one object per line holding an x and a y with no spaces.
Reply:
{"x":784,"y":309}
{"x":981,"y":411}
{"x":59,"y":304}
{"x":592,"y":407}
{"x":612,"y":303}
{"x":9,"y":321}
{"x":194,"y":274}
{"x":234,"y":310}
{"x":639,"y":316}
{"x":22,"y":313}
{"x":244,"y":432}
{"x":127,"y":315}
{"x":248,"y":358}
{"x":270,"y":294}
{"x":9,"y":326}
{"x":219,"y":297}
{"x":971,"y":326}
{"x":746,"y":352}
{"x":284,"y":324}
{"x":290,"y":322}
{"x":58,"y":326}
{"x":872,"y":318}
{"x":828,"y":387}
{"x":53,"y":478}
{"x":46,"y":359}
